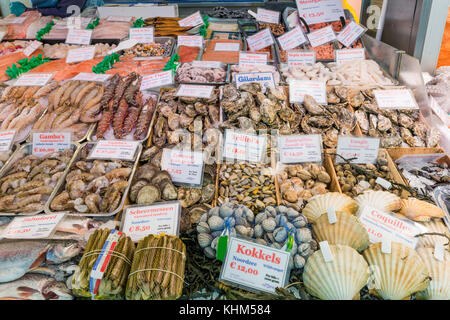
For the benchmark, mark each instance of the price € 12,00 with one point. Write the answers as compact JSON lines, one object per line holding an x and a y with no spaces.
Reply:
{"x":243,"y":269}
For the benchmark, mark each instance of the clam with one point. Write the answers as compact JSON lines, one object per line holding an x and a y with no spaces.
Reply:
{"x":203,"y":227}
{"x":398,"y":275}
{"x":381,"y":200}
{"x":340,"y":279}
{"x":269,"y":224}
{"x":439,"y":287}
{"x":347,"y":231}
{"x":421,"y":211}
{"x":204,"y":239}
{"x":318,"y":206}
{"x":216,"y":223}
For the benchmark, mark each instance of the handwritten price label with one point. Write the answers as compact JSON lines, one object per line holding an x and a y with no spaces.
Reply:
{"x":192,"y":21}
{"x":251,"y":60}
{"x":185,"y":167}
{"x":292,"y":39}
{"x":80,"y":54}
{"x":300,"y":149}
{"x":190,"y":41}
{"x":364,"y":150}
{"x":79,"y":36}
{"x":246,"y":147}
{"x":350,"y":34}
{"x":299,"y":58}
{"x":32,"y":47}
{"x":6,"y":140}
{"x":299,"y":88}
{"x":321,"y":36}
{"x":255,"y":266}
{"x":114,"y":149}
{"x":33,"y":79}
{"x":36,"y":227}
{"x":318,"y":11}
{"x":142,"y":35}
{"x":195,"y":91}
{"x":157,"y":80}
{"x":346,"y":55}
{"x":260,"y":40}
{"x":267,"y":16}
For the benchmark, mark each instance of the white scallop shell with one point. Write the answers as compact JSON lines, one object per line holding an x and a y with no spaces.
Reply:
{"x":318,"y":205}
{"x":434,"y":226}
{"x":381,"y":200}
{"x":439,"y":287}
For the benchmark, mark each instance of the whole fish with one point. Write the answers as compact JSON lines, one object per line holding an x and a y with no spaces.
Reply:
{"x":19,"y":257}
{"x":35,"y":287}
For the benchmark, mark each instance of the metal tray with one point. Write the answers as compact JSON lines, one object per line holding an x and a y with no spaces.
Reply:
{"x":227,"y":68}
{"x":61,"y":186}
{"x":27,"y":148}
{"x":161,"y":40}
{"x":93,"y":41}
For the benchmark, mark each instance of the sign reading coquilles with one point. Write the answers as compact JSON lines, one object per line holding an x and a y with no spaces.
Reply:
{"x":255,"y":267}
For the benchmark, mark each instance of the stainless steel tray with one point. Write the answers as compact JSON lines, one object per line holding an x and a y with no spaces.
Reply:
{"x":161,"y":40}
{"x":61,"y":186}
{"x":25,"y":150}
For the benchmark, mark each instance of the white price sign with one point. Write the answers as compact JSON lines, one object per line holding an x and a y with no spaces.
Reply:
{"x":190,"y":41}
{"x":346,"y":55}
{"x":156,"y":80}
{"x":260,"y":40}
{"x":299,"y":88}
{"x":119,"y":18}
{"x":140,"y":221}
{"x":32,"y":47}
{"x":395,"y":99}
{"x":80,"y":54}
{"x":45,"y":143}
{"x":385,"y":226}
{"x":362,"y":150}
{"x":321,"y":36}
{"x":255,"y":266}
{"x":224,"y":46}
{"x":208,"y":64}
{"x":114,"y":149}
{"x":78,"y":36}
{"x":265,"y":79}
{"x":36,"y":227}
{"x":300,"y":149}
{"x":2,"y":35}
{"x":251,"y":60}
{"x":318,"y":11}
{"x":6,"y":140}
{"x":245,"y":147}
{"x":300,"y":58}
{"x":350,"y":34}
{"x":33,"y":79}
{"x":292,"y":39}
{"x":192,"y":21}
{"x":184,"y":166}
{"x":194,"y":91}
{"x":96,"y":77}
{"x":142,"y":35}
{"x":267,"y":16}
{"x":18,"y":20}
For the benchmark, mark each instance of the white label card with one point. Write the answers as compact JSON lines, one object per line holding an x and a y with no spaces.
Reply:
{"x":395,"y":99}
{"x":208,"y":64}
{"x":140,"y":221}
{"x":32,"y":47}
{"x":119,"y":18}
{"x":386,"y":245}
{"x":192,"y":21}
{"x":326,"y":251}
{"x":114,"y":149}
{"x":184,"y":166}
{"x":45,"y":143}
{"x":264,"y":78}
{"x":318,"y":11}
{"x":267,"y":16}
{"x":385,"y":226}
{"x":96,"y":77}
{"x":439,"y":251}
{"x":331,"y":213}
{"x":80,"y":54}
{"x":2,"y":35}
{"x":33,"y":79}
{"x":299,"y":58}
{"x":364,"y":150}
{"x":384,"y":183}
{"x":36,"y":227}
{"x":156,"y":80}
{"x":142,"y":35}
{"x":78,"y":36}
{"x":17,"y":20}
{"x":245,"y":147}
{"x":292,"y":39}
{"x":293,"y":19}
{"x":260,"y":40}
{"x":255,"y":266}
{"x":350,"y":34}
{"x":6,"y":140}
{"x":195,"y":91}
{"x":230,"y":46}
{"x":300,"y":148}
{"x":250,"y":60}
{"x":321,"y":36}
{"x":190,"y":41}
{"x":346,"y":55}
{"x":299,"y":88}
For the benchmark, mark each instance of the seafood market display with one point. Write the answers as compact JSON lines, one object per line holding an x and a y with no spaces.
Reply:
{"x":276,"y":210}
{"x":92,"y":186}
{"x":157,"y":271}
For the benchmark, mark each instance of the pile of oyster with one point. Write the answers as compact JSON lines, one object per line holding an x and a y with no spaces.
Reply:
{"x":238,"y":220}
{"x":151,"y":185}
{"x":250,"y":184}
{"x":354,"y":179}
{"x":248,"y":108}
{"x":301,"y":182}
{"x":396,"y":128}
{"x":185,"y":123}
{"x":330,"y":121}
{"x":272,"y":227}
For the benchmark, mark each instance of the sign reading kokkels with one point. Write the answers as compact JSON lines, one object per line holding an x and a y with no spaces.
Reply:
{"x":255,"y":267}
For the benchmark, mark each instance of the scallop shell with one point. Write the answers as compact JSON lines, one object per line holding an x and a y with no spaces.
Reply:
{"x":340,"y":279}
{"x":439,"y":288}
{"x":317,"y":206}
{"x":381,"y":200}
{"x":347,"y":231}
{"x":396,"y":275}
{"x":434,"y":226}
{"x":421,"y":211}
